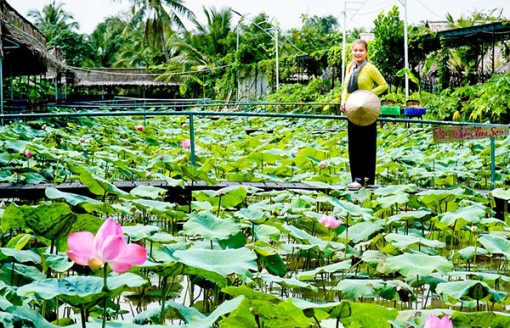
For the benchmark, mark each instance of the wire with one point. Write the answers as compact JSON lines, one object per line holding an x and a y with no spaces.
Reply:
{"x":433,"y":12}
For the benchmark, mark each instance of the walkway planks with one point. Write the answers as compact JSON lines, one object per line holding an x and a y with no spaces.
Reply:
{"x":32,"y":192}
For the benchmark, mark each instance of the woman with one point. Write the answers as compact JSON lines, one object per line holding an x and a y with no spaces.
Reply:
{"x":362,"y":75}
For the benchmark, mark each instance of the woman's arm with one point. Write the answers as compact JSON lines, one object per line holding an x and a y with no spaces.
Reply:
{"x":379,"y":81}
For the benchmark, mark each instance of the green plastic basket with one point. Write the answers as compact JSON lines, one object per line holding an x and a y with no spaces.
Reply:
{"x":390,"y":110}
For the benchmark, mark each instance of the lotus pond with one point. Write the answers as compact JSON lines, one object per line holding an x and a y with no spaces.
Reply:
{"x":426,"y":241}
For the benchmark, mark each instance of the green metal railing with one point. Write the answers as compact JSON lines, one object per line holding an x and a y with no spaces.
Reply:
{"x":192,"y":114}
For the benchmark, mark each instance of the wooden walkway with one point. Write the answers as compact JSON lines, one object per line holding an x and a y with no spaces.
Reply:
{"x":32,"y":192}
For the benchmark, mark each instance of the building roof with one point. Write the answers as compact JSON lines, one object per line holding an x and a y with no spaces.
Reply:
{"x":437,"y":26}
{"x":95,"y":77}
{"x":478,"y":34}
{"x":23,"y":47}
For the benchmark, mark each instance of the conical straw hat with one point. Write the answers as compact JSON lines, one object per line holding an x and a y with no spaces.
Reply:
{"x":362,"y":107}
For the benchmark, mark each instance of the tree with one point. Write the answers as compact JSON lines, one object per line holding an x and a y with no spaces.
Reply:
{"x":107,"y":40}
{"x":52,"y":17}
{"x":158,"y":17}
{"x":60,"y":28}
{"x":316,"y":34}
{"x":199,"y":55}
{"x":387,"y":50}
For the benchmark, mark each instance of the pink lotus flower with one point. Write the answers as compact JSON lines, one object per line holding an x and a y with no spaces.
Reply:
{"x":108,"y":246}
{"x":329,"y":221}
{"x":28,"y":154}
{"x":184,"y":125}
{"x":82,"y":139}
{"x":185,"y":144}
{"x":322,"y":164}
{"x":434,"y":322}
{"x":139,"y":127}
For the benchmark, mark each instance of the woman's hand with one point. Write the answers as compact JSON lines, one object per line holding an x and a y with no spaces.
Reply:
{"x":342,"y":108}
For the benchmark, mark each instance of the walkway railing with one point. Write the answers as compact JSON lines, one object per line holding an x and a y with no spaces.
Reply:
{"x":204,"y":104}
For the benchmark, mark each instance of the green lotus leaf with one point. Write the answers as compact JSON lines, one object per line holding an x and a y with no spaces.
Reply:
{"x":403,"y":242}
{"x":224,"y":308}
{"x":495,"y":244}
{"x":286,"y":282}
{"x":485,"y":276}
{"x":395,"y":190}
{"x":58,"y":263}
{"x":99,"y":186}
{"x":465,"y":215}
{"x":21,"y":256}
{"x":468,"y":290}
{"x":210,"y":227}
{"x":411,"y":215}
{"x":216,"y":265}
{"x":389,"y":201}
{"x":362,"y":231}
{"x":418,"y":264}
{"x":28,"y":272}
{"x":330,"y":268}
{"x":468,"y":252}
{"x":354,"y":288}
{"x":153,"y":206}
{"x":169,"y":181}
{"x":52,"y":220}
{"x":80,"y":290}
{"x":352,"y":209}
{"x":481,"y":319}
{"x":501,"y":193}
{"x":23,"y":316}
{"x":70,"y":198}
{"x":150,"y":192}
{"x":251,"y":313}
{"x":266,"y":233}
{"x":153,"y":315}
{"x":231,"y":196}
{"x":251,"y":214}
{"x":34,"y":178}
{"x":19,"y":241}
{"x":140,"y":232}
{"x":363,"y":314}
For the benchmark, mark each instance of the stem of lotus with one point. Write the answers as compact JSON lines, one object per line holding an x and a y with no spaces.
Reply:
{"x":105,"y":290}
{"x":83,"y":318}
{"x":346,"y":236}
{"x":55,"y":175}
{"x":219,"y":207}
{"x":453,"y":237}
{"x":164,"y":291}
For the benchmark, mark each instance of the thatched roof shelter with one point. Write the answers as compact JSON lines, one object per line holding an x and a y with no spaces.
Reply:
{"x":121,"y":77}
{"x":23,"y":47}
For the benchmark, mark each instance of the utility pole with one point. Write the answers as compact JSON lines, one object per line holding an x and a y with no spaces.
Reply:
{"x":344,"y":42}
{"x":276,"y":55}
{"x":406,"y":57}
{"x":237,"y":54}
{"x":344,"y":34}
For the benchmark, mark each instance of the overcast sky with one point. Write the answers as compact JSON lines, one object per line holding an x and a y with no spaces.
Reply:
{"x":360,"y":13}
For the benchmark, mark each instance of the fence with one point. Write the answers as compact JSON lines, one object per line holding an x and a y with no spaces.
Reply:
{"x":120,"y":107}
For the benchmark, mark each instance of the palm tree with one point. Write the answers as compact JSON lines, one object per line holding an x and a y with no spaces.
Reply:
{"x":199,"y":54}
{"x":158,"y":17}
{"x":52,"y":17}
{"x":106,"y":40}
{"x":60,"y":29}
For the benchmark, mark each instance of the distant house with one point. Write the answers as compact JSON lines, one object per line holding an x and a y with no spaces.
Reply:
{"x":367,"y":36}
{"x":438,"y":26}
